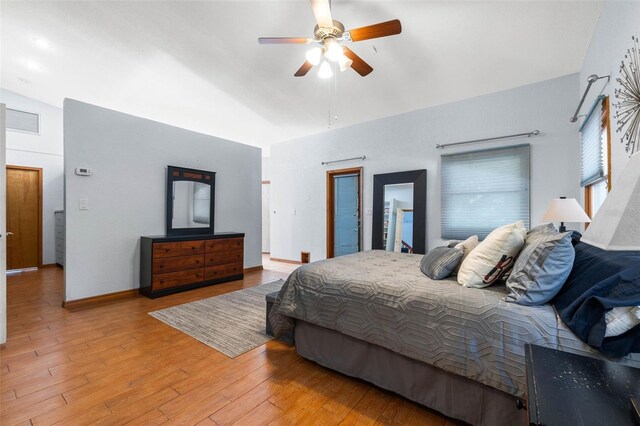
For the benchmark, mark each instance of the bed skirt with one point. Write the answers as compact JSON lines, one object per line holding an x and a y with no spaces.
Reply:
{"x":454,"y":396}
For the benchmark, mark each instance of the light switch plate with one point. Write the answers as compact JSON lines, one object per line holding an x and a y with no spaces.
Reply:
{"x":84,"y":204}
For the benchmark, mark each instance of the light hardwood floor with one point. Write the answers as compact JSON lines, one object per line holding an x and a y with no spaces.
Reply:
{"x":117,"y":365}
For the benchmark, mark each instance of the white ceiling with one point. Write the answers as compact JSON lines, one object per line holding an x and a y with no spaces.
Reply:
{"x":198,"y":65}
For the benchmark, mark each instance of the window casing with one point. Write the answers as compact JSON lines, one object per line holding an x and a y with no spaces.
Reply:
{"x":482,"y":190}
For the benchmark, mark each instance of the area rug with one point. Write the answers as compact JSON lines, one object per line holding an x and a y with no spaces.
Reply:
{"x":233,"y":323}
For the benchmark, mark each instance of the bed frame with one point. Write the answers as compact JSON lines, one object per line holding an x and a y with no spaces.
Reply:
{"x":452,"y":395}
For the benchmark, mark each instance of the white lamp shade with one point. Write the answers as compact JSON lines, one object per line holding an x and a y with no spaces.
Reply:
{"x":616,"y":226}
{"x":565,"y":210}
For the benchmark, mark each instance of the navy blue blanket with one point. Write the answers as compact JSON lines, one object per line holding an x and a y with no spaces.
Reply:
{"x":601,"y":280}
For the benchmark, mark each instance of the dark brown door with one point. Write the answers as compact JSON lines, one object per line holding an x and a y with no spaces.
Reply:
{"x":24,"y":217}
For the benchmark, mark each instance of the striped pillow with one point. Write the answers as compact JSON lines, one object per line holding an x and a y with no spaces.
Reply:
{"x":542,"y":267}
{"x":440,"y":262}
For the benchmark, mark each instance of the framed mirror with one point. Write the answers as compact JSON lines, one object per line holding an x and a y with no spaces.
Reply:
{"x":190,"y":201}
{"x":400,"y":212}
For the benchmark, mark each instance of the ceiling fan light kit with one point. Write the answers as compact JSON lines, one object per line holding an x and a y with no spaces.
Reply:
{"x":329,"y":34}
{"x":325,"y":70}
{"x":314,"y":55}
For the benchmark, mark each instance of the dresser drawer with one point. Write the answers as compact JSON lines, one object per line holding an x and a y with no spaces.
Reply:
{"x":221,"y":271}
{"x":213,"y":246}
{"x":174,"y":279}
{"x":183,"y":248}
{"x":223,"y":258}
{"x":163,"y":265}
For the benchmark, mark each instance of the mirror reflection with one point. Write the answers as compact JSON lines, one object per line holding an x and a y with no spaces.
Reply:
{"x":398,"y":218}
{"x":191,"y":204}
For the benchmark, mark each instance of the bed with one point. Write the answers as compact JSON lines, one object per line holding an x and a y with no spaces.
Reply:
{"x":375,"y":316}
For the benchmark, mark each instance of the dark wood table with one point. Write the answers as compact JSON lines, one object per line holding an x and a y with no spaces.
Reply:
{"x":569,"y":389}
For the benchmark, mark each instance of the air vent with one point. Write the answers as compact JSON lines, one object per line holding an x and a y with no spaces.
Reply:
{"x":23,"y":121}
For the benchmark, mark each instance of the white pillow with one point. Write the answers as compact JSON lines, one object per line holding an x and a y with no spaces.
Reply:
{"x":620,"y":320}
{"x":493,"y":257}
{"x":467,"y":246}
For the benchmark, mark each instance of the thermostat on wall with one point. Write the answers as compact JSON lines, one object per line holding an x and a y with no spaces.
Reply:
{"x":83,"y":172}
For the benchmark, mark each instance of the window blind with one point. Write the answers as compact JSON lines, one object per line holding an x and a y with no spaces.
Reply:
{"x":482,"y":190}
{"x":592,"y":157}
{"x":23,"y":121}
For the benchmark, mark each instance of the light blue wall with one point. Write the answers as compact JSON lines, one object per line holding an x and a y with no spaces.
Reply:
{"x":407,"y":142}
{"x":618,"y":21}
{"x":126,"y":193}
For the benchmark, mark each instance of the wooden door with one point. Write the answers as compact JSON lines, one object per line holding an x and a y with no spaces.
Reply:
{"x":24,"y":217}
{"x":3,"y":230}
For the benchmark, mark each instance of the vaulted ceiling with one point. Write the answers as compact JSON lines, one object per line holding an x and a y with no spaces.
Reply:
{"x":198,"y":65}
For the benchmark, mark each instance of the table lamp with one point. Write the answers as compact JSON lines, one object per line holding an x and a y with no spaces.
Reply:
{"x":563,"y":210}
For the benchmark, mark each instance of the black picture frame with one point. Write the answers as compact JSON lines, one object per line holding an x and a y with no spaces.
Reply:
{"x":419,"y":180}
{"x":174,"y":174}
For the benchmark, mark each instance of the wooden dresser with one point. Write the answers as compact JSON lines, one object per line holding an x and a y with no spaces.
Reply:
{"x":172,"y":264}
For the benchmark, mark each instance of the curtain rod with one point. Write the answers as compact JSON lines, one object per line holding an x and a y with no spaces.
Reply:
{"x":592,"y":79}
{"x":517,"y":135}
{"x":362,"y":157}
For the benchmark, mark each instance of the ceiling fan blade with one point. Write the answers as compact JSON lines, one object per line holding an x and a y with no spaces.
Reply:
{"x":304,"y":69}
{"x":359,"y":65}
{"x":383,"y":29}
{"x":322,"y":12}
{"x":284,"y":40}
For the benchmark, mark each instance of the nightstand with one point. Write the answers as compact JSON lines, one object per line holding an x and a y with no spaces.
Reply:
{"x":569,"y":389}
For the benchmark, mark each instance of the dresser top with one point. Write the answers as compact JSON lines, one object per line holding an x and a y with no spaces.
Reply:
{"x":217,"y":235}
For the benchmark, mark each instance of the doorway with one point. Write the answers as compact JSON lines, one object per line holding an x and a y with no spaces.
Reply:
{"x":266,"y":218}
{"x":344,"y":211}
{"x":24,"y":217}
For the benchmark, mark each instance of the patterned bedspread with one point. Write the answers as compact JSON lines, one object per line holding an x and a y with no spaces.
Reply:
{"x":383,"y":298}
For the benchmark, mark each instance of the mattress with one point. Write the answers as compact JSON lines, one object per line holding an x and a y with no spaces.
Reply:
{"x":384,"y":299}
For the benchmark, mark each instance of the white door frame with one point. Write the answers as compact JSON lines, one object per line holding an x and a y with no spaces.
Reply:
{"x":3,"y":226}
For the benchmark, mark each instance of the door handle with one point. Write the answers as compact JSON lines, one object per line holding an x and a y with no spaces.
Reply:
{"x":9,"y":233}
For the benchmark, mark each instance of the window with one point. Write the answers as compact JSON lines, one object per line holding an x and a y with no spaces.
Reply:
{"x":595,"y":151}
{"x":23,"y":121}
{"x":482,"y":190}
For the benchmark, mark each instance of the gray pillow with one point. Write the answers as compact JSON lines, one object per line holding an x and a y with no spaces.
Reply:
{"x":440,"y":262}
{"x":546,"y":229}
{"x":543,"y":266}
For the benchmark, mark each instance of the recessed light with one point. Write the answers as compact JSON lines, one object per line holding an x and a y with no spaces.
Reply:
{"x":32,"y":65}
{"x":42,"y":43}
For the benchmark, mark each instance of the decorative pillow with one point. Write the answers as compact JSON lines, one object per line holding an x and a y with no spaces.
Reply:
{"x":493,"y":257}
{"x":467,"y":245}
{"x":546,"y":229}
{"x":542,"y":267}
{"x":440,"y":262}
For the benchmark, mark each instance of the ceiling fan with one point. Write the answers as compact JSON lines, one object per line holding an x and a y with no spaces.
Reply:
{"x":328,"y":36}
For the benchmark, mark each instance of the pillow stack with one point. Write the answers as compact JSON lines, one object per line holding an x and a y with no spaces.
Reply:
{"x":493,"y":258}
{"x":542,"y":267}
